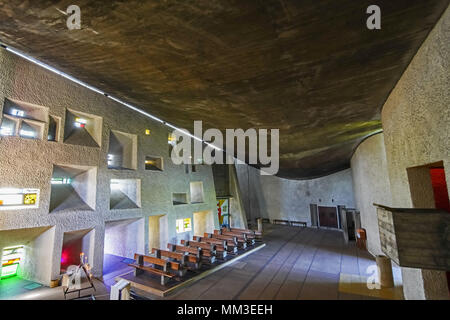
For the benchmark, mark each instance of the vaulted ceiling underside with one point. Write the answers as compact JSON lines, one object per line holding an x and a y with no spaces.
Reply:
{"x":310,"y":68}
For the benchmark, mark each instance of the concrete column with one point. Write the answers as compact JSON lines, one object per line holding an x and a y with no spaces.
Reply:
{"x":385,"y":271}
{"x":260,"y":225}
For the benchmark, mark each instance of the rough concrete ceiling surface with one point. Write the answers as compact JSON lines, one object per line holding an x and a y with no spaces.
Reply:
{"x":310,"y":68}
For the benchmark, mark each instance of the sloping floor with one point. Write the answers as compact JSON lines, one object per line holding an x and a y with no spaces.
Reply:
{"x":297,"y":263}
{"x":24,"y":290}
{"x":114,"y":266}
{"x":16,"y":286}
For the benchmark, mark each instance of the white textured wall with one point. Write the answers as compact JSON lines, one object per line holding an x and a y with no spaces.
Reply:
{"x":203,"y":222}
{"x":277,"y":198}
{"x":416,"y":124}
{"x":125,"y":238}
{"x":371,"y":185}
{"x":29,"y":163}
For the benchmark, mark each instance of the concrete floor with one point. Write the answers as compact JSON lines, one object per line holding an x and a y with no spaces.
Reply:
{"x":114,"y":266}
{"x":14,"y":286}
{"x":297,"y":263}
{"x":17,"y":292}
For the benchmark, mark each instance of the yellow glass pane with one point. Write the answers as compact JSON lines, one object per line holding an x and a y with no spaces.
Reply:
{"x":29,"y":198}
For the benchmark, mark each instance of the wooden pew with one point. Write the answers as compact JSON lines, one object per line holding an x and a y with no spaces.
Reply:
{"x":279,"y":221}
{"x":140,"y":267}
{"x":298,"y":223}
{"x":172,"y":257}
{"x":232,"y":242}
{"x":193,"y":255}
{"x":208,"y":249}
{"x":254,"y":233}
{"x":238,"y":239}
{"x":249,"y":238}
{"x":221,"y":245}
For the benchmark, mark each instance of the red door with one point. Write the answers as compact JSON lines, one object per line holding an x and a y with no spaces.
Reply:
{"x":328,"y":217}
{"x":440,"y":192}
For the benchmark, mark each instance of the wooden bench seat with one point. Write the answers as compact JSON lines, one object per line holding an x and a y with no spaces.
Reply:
{"x":245,"y":235}
{"x":221,"y":245}
{"x":253,"y":233}
{"x":208,"y":249}
{"x":193,"y":255}
{"x":139,"y":267}
{"x":177,"y":261}
{"x":152,"y":270}
{"x":280,"y":221}
{"x":233,"y":241}
{"x":248,"y":238}
{"x":298,"y":223}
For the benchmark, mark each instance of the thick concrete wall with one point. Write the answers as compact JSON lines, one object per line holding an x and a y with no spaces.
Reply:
{"x":416,"y":124}
{"x":237,"y":208}
{"x":26,"y":163}
{"x":371,"y":185}
{"x":277,"y":198}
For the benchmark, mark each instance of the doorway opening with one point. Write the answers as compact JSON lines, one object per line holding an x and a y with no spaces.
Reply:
{"x":75,"y":243}
{"x":158,"y":232}
{"x":428,"y":187}
{"x":123,"y":238}
{"x":328,"y":217}
{"x":26,"y":259}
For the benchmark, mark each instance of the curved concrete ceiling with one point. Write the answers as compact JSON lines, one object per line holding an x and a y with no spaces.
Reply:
{"x":310,"y":68}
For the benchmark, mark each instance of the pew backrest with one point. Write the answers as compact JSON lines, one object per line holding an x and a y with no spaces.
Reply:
{"x":158,"y":261}
{"x":220,"y":243}
{"x":180,"y":257}
{"x":197,"y":251}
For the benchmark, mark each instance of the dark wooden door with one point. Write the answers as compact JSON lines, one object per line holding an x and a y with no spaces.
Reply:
{"x":328,"y":217}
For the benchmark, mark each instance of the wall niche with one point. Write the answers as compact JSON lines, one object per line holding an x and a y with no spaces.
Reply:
{"x":125,"y":194}
{"x":83,"y":129}
{"x":197,"y":195}
{"x":73,"y":188}
{"x":179,"y":198}
{"x":54,"y":128}
{"x":23,"y":119}
{"x":154,"y":163}
{"x":122,"y":152}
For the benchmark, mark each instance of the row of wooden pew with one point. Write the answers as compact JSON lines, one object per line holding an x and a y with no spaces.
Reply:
{"x":191,"y":254}
{"x":280,"y":221}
